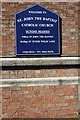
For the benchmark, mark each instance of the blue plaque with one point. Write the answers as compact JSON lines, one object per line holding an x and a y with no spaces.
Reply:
{"x":37,"y":32}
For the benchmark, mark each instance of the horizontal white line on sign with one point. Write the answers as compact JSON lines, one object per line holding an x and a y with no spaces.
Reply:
{"x":39,"y":81}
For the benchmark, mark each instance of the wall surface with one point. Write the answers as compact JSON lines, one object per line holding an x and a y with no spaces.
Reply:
{"x":44,"y":87}
{"x":68,"y":12}
{"x":40,"y":102}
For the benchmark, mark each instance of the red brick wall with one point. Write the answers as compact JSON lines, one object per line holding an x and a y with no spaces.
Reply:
{"x":68,"y":12}
{"x":40,"y":102}
{"x":40,"y":72}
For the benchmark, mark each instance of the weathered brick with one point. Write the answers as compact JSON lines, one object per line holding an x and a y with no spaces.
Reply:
{"x":37,"y":104}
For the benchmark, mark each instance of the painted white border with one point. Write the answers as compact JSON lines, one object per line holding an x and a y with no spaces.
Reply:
{"x":58,"y":32}
{"x":15,"y":37}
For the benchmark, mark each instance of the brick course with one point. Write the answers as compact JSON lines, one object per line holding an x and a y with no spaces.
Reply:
{"x":37,"y":72}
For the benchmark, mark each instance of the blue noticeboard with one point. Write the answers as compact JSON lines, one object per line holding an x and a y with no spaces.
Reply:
{"x":37,"y":32}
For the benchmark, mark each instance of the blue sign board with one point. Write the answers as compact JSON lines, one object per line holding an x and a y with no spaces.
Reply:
{"x":37,"y":32}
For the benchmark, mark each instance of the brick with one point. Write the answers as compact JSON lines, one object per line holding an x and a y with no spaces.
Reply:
{"x":41,"y":104}
{"x":69,"y":97}
{"x":54,"y":7}
{"x":41,"y":101}
{"x":65,"y":9}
